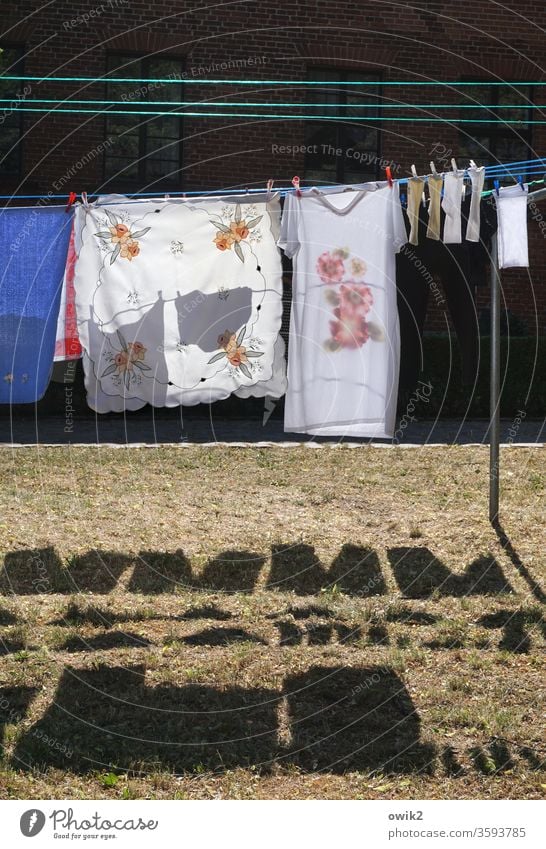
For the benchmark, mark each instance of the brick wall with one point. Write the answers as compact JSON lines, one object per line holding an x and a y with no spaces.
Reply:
{"x":439,"y":40}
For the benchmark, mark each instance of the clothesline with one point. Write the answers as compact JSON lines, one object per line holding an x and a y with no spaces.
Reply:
{"x":529,"y":166}
{"x":289,"y":117}
{"x":198,"y":81}
{"x":308,"y":104}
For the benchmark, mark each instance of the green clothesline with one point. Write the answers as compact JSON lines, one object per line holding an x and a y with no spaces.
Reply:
{"x":179,"y":79}
{"x":152,"y":113}
{"x":290,"y":104}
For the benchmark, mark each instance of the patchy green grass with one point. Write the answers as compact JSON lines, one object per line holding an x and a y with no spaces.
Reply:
{"x":250,"y":623}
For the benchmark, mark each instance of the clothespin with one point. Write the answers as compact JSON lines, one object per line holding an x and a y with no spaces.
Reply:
{"x":473,"y":164}
{"x":296,"y":184}
{"x":403,"y":200}
{"x":414,"y":171}
{"x":520,"y":181}
{"x":72,"y":198}
{"x":388,"y":172}
{"x":433,"y":169}
{"x":496,"y":183}
{"x":454,"y":166}
{"x":85,"y":202}
{"x":269,"y":188}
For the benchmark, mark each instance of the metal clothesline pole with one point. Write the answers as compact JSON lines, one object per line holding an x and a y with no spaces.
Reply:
{"x":494,"y":395}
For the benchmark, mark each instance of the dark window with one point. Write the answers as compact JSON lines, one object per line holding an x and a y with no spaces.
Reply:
{"x":342,"y":151}
{"x":144,"y":151}
{"x":491,"y":143}
{"x":12,"y":93}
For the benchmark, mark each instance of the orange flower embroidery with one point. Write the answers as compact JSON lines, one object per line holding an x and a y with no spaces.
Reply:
{"x":129,"y":249}
{"x":235,"y":353}
{"x":223,"y":241}
{"x":120,"y":233}
{"x":239,"y":230}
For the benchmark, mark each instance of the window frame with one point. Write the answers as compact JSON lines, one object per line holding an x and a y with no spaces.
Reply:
{"x":493,"y":131}
{"x":343,"y":165}
{"x":119,"y":181}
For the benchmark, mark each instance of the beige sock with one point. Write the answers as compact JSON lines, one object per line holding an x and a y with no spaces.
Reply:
{"x":435,"y":191}
{"x":415,"y":193}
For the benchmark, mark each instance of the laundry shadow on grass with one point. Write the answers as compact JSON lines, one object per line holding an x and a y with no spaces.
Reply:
{"x":296,"y":567}
{"x":339,"y":720}
{"x":104,"y":617}
{"x":14,"y":705}
{"x":419,"y":574}
{"x":517,"y":627}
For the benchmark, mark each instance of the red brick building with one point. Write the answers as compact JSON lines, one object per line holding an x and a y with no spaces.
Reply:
{"x":187,"y":42}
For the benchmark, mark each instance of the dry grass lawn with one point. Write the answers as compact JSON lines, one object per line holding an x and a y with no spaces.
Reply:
{"x":185,"y":622}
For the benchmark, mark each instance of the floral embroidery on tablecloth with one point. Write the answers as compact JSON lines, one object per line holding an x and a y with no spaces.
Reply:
{"x":127,"y":365}
{"x":234,"y":229}
{"x":237,"y":355}
{"x":119,"y":240}
{"x":177,"y":247}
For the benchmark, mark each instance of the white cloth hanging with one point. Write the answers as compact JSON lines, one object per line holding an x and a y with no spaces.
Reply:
{"x":477,"y":178}
{"x":451,"y":204}
{"x":344,"y":347}
{"x":179,"y":302}
{"x":512,"y":236}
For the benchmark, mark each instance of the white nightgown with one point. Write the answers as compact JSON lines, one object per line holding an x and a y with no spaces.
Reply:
{"x":344,"y":346}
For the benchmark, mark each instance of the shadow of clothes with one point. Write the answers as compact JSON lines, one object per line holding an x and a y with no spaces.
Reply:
{"x":515,"y":636}
{"x":356,"y":571}
{"x":297,"y":568}
{"x":14,"y":705}
{"x":160,"y":572}
{"x":103,"y":617}
{"x":103,"y":642}
{"x":7,"y":617}
{"x":419,"y":573}
{"x":354,"y":719}
{"x":221,"y":637}
{"x":231,"y":572}
{"x":113,"y":720}
{"x":97,"y":571}
{"x":33,"y":571}
{"x":203,"y":318}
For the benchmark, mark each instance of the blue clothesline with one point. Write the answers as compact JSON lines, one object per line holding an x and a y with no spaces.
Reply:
{"x":531,"y":167}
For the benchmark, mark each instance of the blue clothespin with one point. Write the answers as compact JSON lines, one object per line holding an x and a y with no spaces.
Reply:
{"x":403,"y":200}
{"x":496,"y":183}
{"x":520,"y":181}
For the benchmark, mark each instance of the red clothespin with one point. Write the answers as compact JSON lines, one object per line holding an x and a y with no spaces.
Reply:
{"x":296,"y":184}
{"x":72,"y":198}
{"x":388,"y":172}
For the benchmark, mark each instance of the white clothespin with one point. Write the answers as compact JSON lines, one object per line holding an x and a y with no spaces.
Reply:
{"x":414,"y":171}
{"x":454,"y":166}
{"x":269,"y":189}
{"x":473,"y":164}
{"x":433,"y":169}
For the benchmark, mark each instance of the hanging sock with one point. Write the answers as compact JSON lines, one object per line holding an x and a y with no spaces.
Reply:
{"x":435,"y":190}
{"x":415,"y":192}
{"x":513,"y":248}
{"x":477,"y":177}
{"x":451,"y":204}
{"x":33,"y":245}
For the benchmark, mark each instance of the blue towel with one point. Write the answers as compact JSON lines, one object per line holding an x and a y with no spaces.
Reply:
{"x":33,"y":249}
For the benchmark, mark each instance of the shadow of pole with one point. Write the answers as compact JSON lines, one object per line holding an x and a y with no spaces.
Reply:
{"x":518,"y":563}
